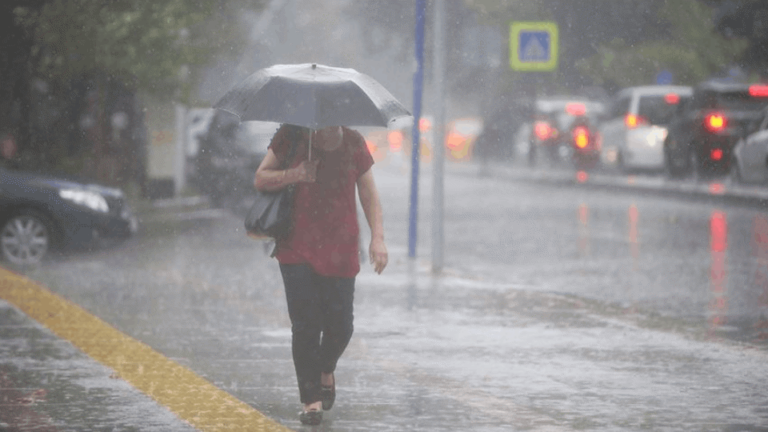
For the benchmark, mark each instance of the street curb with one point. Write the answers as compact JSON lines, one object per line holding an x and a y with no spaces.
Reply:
{"x":713,"y":191}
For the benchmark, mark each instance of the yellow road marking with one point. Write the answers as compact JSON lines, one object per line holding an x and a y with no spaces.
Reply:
{"x":189,"y":396}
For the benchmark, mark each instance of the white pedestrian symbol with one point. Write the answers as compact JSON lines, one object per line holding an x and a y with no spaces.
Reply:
{"x":534,"y":50}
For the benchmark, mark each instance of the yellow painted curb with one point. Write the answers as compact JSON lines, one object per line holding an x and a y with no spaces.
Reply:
{"x":189,"y":396}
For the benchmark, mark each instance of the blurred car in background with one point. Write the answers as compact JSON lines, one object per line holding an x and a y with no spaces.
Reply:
{"x":198,"y":122}
{"x":635,"y":125}
{"x":501,"y":136}
{"x":229,"y":154}
{"x":563,"y":128}
{"x":705,"y":129}
{"x":460,"y":137}
{"x":750,"y":156}
{"x":584,"y":142}
{"x":39,"y":213}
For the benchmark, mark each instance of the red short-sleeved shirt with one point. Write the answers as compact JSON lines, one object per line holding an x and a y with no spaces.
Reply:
{"x":325,"y":230}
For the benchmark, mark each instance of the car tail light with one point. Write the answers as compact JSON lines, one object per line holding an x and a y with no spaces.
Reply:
{"x":758,"y":90}
{"x":632,"y":121}
{"x":576,"y":109}
{"x":395,"y":139}
{"x":543,"y":130}
{"x":716,"y":154}
{"x":715,"y":122}
{"x":372,"y":147}
{"x":455,"y":140}
{"x":581,"y":137}
{"x":672,"y":98}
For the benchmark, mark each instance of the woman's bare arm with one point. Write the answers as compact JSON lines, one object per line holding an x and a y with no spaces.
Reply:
{"x":369,"y":200}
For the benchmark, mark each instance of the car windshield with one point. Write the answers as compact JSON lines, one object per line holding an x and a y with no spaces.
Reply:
{"x":656,"y":109}
{"x":736,"y":101}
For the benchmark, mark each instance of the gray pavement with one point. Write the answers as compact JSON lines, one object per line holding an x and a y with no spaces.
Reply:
{"x":456,"y":352}
{"x":47,"y":384}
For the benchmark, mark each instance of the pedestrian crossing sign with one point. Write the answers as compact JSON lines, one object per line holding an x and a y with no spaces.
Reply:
{"x":533,"y":46}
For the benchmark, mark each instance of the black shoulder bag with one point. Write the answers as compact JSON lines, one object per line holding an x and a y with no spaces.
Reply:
{"x":270,"y":214}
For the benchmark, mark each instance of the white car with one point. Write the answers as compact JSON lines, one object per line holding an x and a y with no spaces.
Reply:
{"x":634,"y":128}
{"x":750,"y":156}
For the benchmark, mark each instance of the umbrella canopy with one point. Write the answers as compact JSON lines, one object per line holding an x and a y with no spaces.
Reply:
{"x":312,"y":96}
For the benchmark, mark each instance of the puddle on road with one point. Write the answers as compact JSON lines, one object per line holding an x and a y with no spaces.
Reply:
{"x":721,"y":318}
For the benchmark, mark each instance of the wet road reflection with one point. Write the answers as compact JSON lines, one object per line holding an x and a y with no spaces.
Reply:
{"x":736,"y":301}
{"x":584,"y":229}
{"x":633,"y":215}
{"x":760,"y":250}
{"x":718,"y":306}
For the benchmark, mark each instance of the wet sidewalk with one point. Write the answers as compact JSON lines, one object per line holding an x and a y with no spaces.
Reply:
{"x":452,"y":353}
{"x":46,"y":384}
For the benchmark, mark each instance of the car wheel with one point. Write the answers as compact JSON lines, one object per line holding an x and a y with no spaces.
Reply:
{"x":26,"y":238}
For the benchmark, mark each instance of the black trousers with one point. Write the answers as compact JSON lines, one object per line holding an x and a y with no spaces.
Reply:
{"x":320,"y":308}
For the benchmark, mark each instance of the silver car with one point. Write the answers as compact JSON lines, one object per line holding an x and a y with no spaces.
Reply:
{"x":634,"y":128}
{"x":750,"y":164}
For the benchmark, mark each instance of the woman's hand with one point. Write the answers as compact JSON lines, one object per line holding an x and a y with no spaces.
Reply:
{"x":378,"y":254}
{"x":306,"y":171}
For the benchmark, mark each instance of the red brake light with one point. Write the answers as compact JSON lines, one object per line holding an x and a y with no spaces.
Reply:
{"x":715,"y":122}
{"x":542,"y":130}
{"x":758,"y":90}
{"x":576,"y":109}
{"x":581,"y":137}
{"x":632,"y":121}
{"x":716,"y":154}
{"x":672,"y":98}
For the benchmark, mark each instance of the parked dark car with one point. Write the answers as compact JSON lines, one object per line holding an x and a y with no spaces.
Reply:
{"x":39,"y":213}
{"x":705,"y":128}
{"x":229,"y":153}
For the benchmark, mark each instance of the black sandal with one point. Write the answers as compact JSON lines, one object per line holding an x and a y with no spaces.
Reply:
{"x":328,"y":394}
{"x":313,"y":417}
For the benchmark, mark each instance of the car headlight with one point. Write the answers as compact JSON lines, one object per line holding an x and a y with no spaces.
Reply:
{"x":85,"y":198}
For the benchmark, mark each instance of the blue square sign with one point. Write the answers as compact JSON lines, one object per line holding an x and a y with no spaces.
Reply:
{"x":533,"y":46}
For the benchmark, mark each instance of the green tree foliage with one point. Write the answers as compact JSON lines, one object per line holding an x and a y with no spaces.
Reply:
{"x":617,"y":43}
{"x":152,"y":46}
{"x":692,"y":50}
{"x":83,"y":61}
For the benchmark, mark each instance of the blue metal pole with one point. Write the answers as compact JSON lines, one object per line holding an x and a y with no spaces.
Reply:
{"x":418,"y":80}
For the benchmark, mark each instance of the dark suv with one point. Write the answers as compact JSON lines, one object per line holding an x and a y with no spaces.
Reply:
{"x":229,"y":154}
{"x":705,"y":128}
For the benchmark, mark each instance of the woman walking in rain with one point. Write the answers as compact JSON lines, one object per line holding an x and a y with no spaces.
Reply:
{"x":319,"y":259}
